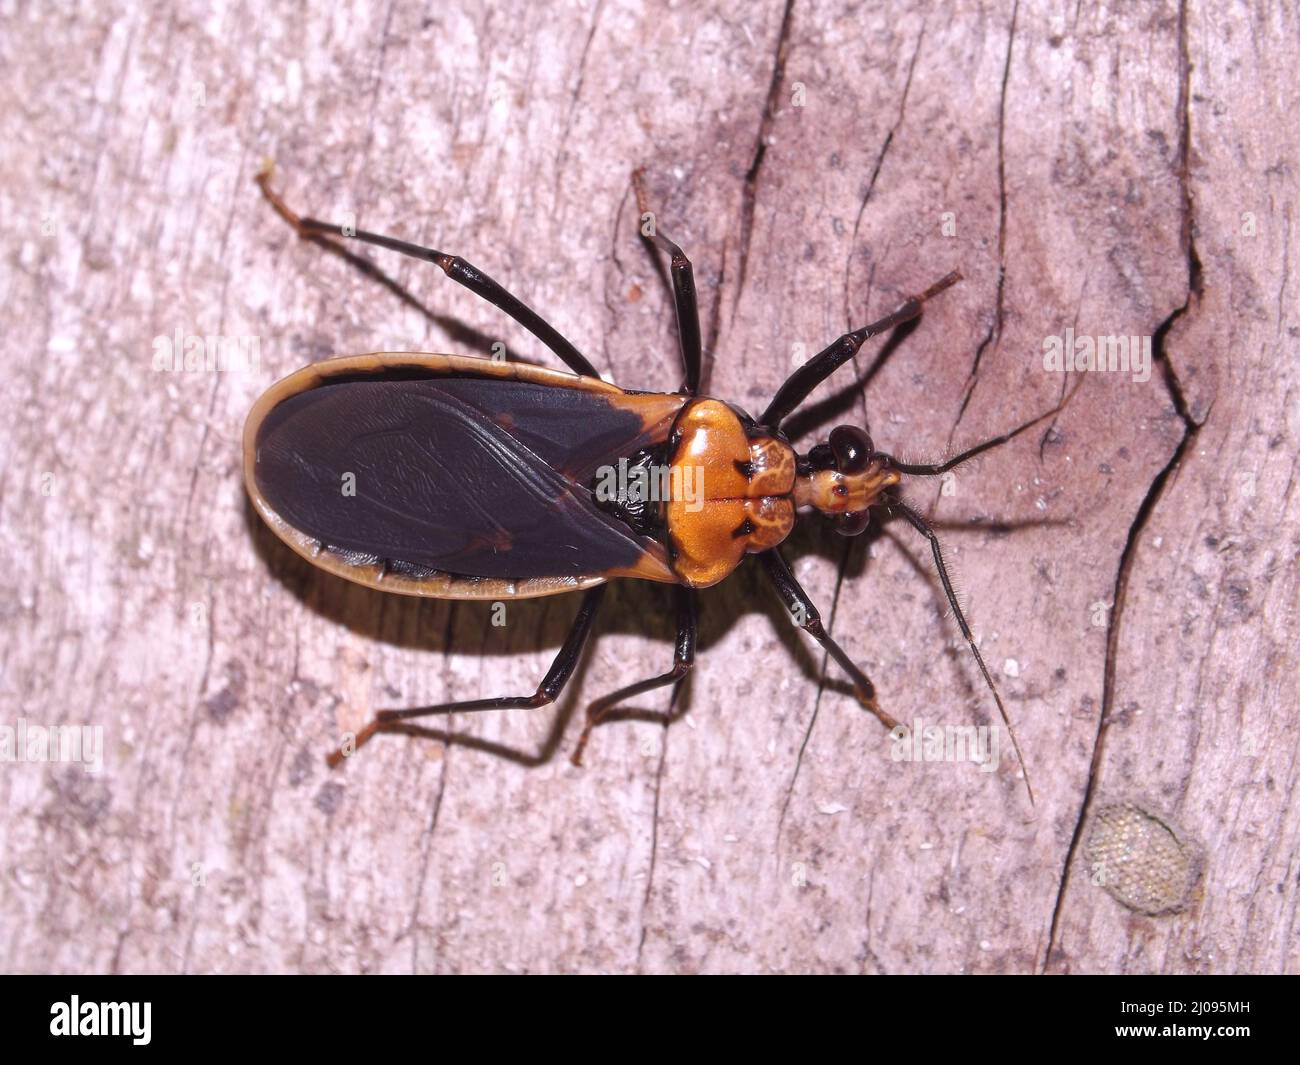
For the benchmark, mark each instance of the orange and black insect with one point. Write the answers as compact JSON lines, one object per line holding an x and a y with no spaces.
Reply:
{"x":476,"y":479}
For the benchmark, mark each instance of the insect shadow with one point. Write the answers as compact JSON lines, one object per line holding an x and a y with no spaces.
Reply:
{"x":638,"y":609}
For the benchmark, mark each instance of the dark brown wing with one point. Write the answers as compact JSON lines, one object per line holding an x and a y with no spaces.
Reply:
{"x":476,"y":476}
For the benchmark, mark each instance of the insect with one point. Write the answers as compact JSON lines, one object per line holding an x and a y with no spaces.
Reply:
{"x":481,"y":480}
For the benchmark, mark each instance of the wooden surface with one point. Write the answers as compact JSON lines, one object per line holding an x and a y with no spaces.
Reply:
{"x":1100,"y":172}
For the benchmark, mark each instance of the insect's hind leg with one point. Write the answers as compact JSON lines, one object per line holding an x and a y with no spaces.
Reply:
{"x":453,"y":266}
{"x":683,"y":274}
{"x":547,"y":692}
{"x":806,"y":616}
{"x":683,"y":659}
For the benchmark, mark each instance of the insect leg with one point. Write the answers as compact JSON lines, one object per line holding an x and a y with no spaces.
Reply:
{"x":683,"y":659}
{"x":552,"y":684}
{"x":454,"y":267}
{"x":800,"y":384}
{"x":683,"y":274}
{"x":806,"y":617}
{"x":923,"y":527}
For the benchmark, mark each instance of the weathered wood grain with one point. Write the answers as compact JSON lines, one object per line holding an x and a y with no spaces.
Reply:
{"x":1129,"y":573}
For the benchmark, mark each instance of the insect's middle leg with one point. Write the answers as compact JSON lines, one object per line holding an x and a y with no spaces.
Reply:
{"x":547,"y":692}
{"x":453,"y":266}
{"x":683,"y":274}
{"x":683,"y":659}
{"x":806,"y":616}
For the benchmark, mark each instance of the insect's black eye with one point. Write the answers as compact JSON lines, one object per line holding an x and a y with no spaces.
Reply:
{"x":852,"y":448}
{"x":821,"y":457}
{"x":852,"y":523}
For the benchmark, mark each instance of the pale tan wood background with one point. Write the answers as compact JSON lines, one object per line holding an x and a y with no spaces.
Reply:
{"x":1127,"y":172}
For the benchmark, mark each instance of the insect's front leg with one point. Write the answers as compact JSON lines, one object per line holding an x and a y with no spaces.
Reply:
{"x":683,"y":274}
{"x":806,"y":616}
{"x":799,"y":385}
{"x":683,"y":659}
{"x":547,"y":692}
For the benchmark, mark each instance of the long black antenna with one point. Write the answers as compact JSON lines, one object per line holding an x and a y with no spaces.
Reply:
{"x":933,"y":469}
{"x":923,"y":527}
